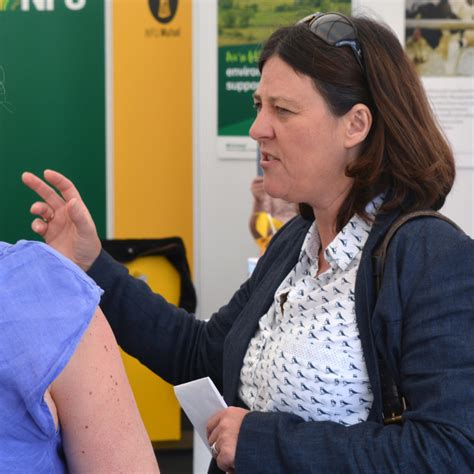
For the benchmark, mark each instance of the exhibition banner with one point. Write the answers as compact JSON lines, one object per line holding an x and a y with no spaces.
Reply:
{"x":152,"y":119}
{"x":101,"y":90}
{"x":52,"y":103}
{"x":152,"y":166}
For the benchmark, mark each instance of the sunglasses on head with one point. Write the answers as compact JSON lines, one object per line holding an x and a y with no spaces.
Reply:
{"x":335,"y":29}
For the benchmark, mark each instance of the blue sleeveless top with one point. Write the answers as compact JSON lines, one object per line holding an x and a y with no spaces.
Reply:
{"x":46,"y":304}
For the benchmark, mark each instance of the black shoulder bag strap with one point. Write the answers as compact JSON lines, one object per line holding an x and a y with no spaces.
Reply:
{"x":394,"y":403}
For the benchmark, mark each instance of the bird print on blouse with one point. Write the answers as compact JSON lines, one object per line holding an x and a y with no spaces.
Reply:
{"x":306,"y":357}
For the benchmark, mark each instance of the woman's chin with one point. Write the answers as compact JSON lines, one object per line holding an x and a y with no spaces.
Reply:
{"x":272,"y":190}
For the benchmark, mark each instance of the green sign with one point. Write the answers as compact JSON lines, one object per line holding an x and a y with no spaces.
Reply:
{"x":238,"y":79}
{"x":52,"y":103}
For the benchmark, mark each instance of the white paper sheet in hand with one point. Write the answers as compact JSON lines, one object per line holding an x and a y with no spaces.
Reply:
{"x":200,"y":400}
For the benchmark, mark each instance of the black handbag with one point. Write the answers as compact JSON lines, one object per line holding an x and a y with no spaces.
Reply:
{"x":393,"y":401}
{"x":172,"y":248}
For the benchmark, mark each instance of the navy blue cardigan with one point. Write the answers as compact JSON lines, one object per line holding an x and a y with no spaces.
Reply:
{"x":422,"y":323}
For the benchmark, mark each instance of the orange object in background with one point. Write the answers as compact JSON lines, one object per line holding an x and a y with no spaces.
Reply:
{"x":266,"y":226}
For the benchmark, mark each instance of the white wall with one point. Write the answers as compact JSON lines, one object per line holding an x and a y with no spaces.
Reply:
{"x":222,"y":196}
{"x":459,"y":205}
{"x":222,"y":205}
{"x":222,"y":187}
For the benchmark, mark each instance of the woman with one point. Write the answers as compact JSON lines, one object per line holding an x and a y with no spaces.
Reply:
{"x":65,"y":402}
{"x":345,"y":129}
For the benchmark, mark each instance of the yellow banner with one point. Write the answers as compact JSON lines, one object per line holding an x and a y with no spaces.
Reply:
{"x":152,"y":122}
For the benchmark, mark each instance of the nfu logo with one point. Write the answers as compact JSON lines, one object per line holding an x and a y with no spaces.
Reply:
{"x":48,"y":5}
{"x":163,"y":10}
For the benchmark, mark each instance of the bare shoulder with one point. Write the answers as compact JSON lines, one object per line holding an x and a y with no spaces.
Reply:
{"x":100,"y":423}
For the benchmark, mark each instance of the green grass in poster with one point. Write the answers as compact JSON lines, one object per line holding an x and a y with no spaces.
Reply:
{"x":252,"y":21}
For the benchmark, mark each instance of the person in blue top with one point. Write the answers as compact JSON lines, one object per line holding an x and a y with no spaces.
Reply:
{"x":345,"y":130}
{"x":65,"y":402}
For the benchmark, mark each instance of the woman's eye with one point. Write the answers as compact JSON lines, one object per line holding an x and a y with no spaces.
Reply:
{"x":282,"y":110}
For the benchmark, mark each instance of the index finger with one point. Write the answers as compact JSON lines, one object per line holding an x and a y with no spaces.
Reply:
{"x":214,"y":421}
{"x":46,"y":192}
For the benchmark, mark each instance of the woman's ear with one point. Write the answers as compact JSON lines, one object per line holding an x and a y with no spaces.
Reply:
{"x":358,"y":122}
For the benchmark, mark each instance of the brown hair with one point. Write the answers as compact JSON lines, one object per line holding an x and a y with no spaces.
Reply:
{"x":405,"y":152}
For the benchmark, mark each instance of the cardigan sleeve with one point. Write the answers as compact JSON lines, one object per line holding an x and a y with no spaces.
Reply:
{"x":424,"y":320}
{"x":171,"y":342}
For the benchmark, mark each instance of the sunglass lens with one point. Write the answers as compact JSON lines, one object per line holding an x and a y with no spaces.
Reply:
{"x":333,"y":28}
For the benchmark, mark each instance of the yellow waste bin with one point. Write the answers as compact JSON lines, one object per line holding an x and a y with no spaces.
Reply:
{"x":162,"y":264}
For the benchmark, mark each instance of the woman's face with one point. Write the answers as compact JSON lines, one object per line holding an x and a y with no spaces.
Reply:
{"x":301,"y":141}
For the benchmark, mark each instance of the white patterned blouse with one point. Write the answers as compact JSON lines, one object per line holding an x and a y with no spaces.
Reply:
{"x":306,"y":357}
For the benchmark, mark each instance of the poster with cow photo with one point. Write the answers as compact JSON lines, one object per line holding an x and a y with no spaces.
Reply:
{"x":439,"y":39}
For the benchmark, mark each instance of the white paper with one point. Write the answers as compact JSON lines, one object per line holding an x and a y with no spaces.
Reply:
{"x":200,"y":400}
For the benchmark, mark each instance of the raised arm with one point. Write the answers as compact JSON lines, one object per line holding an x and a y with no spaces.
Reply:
{"x":100,"y":423}
{"x":258,"y":205}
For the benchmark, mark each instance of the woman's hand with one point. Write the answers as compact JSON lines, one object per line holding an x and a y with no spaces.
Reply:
{"x":222,"y":433}
{"x":64,"y":220}
{"x":257,"y":190}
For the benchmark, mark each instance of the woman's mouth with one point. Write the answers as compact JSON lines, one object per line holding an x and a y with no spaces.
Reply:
{"x":267,"y":157}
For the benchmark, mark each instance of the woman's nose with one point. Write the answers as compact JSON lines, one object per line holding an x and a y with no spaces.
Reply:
{"x":261,"y":128}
